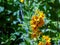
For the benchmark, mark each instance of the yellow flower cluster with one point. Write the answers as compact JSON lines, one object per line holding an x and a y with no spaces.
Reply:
{"x":36,"y":22}
{"x":47,"y":39}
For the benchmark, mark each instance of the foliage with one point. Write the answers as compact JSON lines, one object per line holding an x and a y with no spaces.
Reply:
{"x":15,"y":17}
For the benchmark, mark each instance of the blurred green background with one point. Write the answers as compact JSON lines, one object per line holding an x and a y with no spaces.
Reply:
{"x":15,"y":17}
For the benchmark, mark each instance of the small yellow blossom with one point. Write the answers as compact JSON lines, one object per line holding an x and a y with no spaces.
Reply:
{"x":21,"y":1}
{"x":41,"y":43}
{"x":41,"y":14}
{"x":47,"y":38}
{"x":34,"y":17}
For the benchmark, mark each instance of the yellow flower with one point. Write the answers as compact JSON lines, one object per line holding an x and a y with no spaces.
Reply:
{"x":41,"y":43}
{"x":37,"y":21}
{"x":21,"y":1}
{"x":47,"y":38}
{"x":34,"y":17}
{"x":32,"y":22}
{"x":41,"y":14}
